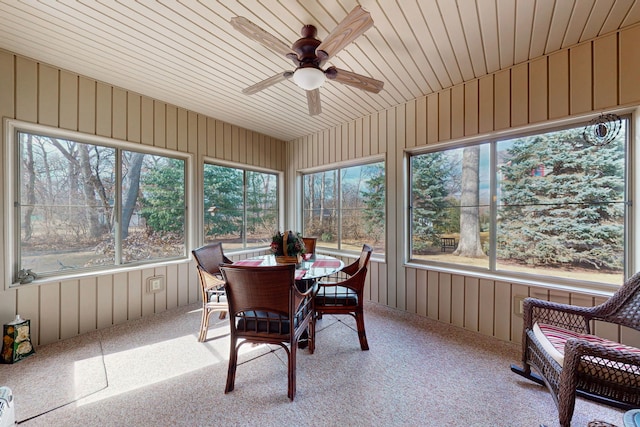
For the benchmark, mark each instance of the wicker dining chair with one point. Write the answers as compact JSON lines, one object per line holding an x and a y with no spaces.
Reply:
{"x":346,"y":296}
{"x":557,"y":342}
{"x":208,"y":259}
{"x":266,"y":307}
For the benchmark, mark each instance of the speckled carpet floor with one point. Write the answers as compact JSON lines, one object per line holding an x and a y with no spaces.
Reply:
{"x":153,"y":372}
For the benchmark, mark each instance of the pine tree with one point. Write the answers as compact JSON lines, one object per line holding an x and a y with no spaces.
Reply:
{"x":562,"y":202}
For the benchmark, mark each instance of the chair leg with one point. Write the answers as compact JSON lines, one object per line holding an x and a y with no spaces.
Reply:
{"x":291,"y":392}
{"x":204,"y":324}
{"x":362,"y":336}
{"x":233,"y":362}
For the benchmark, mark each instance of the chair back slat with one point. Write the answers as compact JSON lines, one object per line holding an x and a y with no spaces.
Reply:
{"x":210,"y":257}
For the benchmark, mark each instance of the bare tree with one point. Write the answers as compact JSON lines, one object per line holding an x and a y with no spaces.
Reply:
{"x":131,"y":193}
{"x":30,"y":190}
{"x":470,"y":245}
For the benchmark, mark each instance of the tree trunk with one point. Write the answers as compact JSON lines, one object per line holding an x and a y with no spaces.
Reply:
{"x":30,"y":190}
{"x":469,"y":245}
{"x":95,"y":230}
{"x":132,"y":188}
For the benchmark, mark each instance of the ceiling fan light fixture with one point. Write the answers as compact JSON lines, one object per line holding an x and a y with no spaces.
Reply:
{"x":309,"y":78}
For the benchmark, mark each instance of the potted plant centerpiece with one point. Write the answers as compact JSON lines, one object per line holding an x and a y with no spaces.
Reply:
{"x":288,"y":247}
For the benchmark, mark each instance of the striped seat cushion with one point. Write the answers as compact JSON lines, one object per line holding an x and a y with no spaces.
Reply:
{"x":553,"y":338}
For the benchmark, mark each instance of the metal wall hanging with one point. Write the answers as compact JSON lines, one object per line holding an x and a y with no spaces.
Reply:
{"x":602,"y":130}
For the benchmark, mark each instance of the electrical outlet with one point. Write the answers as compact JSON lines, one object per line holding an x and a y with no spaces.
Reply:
{"x":518,"y":305}
{"x":155,"y":284}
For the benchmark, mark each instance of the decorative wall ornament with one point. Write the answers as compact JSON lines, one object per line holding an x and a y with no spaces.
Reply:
{"x":602,"y":130}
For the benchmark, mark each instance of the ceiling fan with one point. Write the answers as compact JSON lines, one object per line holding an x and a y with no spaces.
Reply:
{"x":309,"y":55}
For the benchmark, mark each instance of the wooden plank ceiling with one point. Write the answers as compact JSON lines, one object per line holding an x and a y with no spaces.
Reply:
{"x":187,"y":53}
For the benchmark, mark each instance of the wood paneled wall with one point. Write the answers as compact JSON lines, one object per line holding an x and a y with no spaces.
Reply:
{"x":593,"y":76}
{"x":38,"y":93}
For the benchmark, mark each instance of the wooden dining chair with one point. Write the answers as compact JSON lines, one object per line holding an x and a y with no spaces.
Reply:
{"x":347,"y":296}
{"x":208,"y":259}
{"x":310,"y":245}
{"x":266,"y":307}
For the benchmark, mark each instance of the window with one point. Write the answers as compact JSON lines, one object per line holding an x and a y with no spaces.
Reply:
{"x":344,"y":208}
{"x":86,"y":205}
{"x":240,"y":206}
{"x":547,"y":204}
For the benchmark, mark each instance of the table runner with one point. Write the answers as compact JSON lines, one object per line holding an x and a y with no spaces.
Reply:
{"x":326,"y":263}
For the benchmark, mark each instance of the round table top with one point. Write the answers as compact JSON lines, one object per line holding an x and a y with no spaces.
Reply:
{"x":312,"y":268}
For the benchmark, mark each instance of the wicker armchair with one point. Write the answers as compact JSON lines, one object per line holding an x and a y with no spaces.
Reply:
{"x":558,"y":344}
{"x":209,"y":258}
{"x":266,"y":307}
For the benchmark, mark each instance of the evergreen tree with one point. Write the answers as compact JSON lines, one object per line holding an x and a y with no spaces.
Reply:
{"x":431,"y":208}
{"x":562,"y":202}
{"x":223,"y":200}
{"x":163,"y":196}
{"x":374,"y":197}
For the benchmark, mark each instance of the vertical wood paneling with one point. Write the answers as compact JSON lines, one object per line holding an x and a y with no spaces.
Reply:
{"x":410,"y":124}
{"x":359,"y":141}
{"x":559,"y":84}
{"x":160,"y":125}
{"x":486,"y":307}
{"x":421,"y":121}
{"x":48,"y":95}
{"x":88,"y":308}
{"x":192,"y":134}
{"x":422,"y":287}
{"x":519,"y":95}
{"x":49,"y":313}
{"x":455,"y":302}
{"x":183,"y":283}
{"x":148,"y":298}
{"x":374,"y":282}
{"x":172,"y":131}
{"x":27,"y":87}
{"x":86,"y":105}
{"x":382,"y":132}
{"x":366,"y":139}
{"x":538,"y":90}
{"x":471,"y":102}
{"x":444,"y":115}
{"x":485,"y":101}
{"x":69,"y":309}
{"x":219,"y":153}
{"x":457,"y":111}
{"x":516,"y":320}
{"x":134,"y":295}
{"x":119,"y":114}
{"x":471,"y":303}
{"x":120,"y":298}
{"x":411,"y":294}
{"x":629,"y":60}
{"x":580,"y":78}
{"x":103,"y":109}
{"x":146,"y":120}
{"x":28,"y":308}
{"x":502,"y":311}
{"x":502,"y":100}
{"x":432,"y":118}
{"x":133,"y":117}
{"x":104,"y":297}
{"x":605,"y":72}
{"x":172,"y":286}
{"x":7,"y":84}
{"x":445,"y":297}
{"x":433,"y":294}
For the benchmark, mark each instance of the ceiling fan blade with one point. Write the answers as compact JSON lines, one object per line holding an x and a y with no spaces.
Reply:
{"x":354,"y":79}
{"x":256,"y":33}
{"x":267,"y":82}
{"x":313,"y":99}
{"x":356,"y":22}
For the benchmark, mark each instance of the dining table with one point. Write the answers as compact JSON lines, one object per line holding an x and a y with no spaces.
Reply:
{"x":310,"y":268}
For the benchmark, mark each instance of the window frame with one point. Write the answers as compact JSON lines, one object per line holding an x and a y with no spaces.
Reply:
{"x":12,"y":224}
{"x":245,"y":168}
{"x":363,"y":161}
{"x":632,"y":190}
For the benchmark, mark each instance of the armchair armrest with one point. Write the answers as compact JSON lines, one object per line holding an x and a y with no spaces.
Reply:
{"x":571,"y":317}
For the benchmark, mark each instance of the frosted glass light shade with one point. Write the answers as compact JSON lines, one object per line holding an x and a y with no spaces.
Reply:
{"x":309,"y":78}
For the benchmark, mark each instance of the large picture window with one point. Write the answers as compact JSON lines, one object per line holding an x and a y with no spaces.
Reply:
{"x":240,"y":206}
{"x":548,"y":204}
{"x":344,"y":208}
{"x":85,"y":206}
